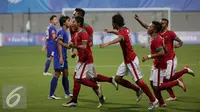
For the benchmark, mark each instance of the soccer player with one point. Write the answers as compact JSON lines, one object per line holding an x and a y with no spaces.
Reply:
{"x":169,"y":38}
{"x":60,"y":60}
{"x":49,"y":43}
{"x":100,"y":78}
{"x":85,"y":71}
{"x":131,"y":62}
{"x":158,"y":51}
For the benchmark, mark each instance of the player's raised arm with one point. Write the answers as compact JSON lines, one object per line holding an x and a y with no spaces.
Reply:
{"x":111,"y":31}
{"x":118,"y":39}
{"x":144,"y":25}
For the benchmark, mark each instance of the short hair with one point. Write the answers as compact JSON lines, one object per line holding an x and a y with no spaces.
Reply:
{"x":63,"y":19}
{"x":158,"y":26}
{"x":80,"y":11}
{"x":118,"y":19}
{"x":52,"y":17}
{"x":80,"y":20}
{"x":164,"y":19}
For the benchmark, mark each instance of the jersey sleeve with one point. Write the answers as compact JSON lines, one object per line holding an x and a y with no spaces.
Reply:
{"x":60,"y":35}
{"x":90,"y":32}
{"x":173,"y":35}
{"x":84,"y":38}
{"x":158,"y":44}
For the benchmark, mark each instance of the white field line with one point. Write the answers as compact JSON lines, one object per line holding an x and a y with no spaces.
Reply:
{"x":96,"y":66}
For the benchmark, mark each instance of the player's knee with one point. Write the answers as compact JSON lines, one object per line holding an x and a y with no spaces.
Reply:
{"x":118,"y":79}
{"x":50,"y":58}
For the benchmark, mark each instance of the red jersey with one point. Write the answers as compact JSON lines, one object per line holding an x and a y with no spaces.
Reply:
{"x":156,"y":45}
{"x":126,"y":46}
{"x":88,"y":29}
{"x":169,"y":37}
{"x":80,"y":38}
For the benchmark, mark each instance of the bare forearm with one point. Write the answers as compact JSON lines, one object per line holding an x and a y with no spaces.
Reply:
{"x":60,"y":50}
{"x":144,"y":25}
{"x":114,"y":41}
{"x":79,"y":47}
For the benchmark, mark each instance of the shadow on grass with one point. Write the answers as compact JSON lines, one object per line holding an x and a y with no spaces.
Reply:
{"x":189,"y":99}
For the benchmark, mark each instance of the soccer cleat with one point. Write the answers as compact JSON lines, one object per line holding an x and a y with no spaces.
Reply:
{"x":53,"y":97}
{"x":153,"y":104}
{"x":68,"y":96}
{"x":139,"y":95}
{"x":182,"y":84}
{"x":114,"y":82}
{"x":189,"y":71}
{"x":46,"y":73}
{"x":171,"y":99}
{"x":101,"y":101}
{"x":70,"y":104}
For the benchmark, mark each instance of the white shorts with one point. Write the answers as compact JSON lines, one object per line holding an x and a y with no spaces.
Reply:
{"x":132,"y":68}
{"x":171,"y":68}
{"x":84,"y":70}
{"x":157,"y":76}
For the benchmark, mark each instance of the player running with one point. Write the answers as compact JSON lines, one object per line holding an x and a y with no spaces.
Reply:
{"x":100,"y":78}
{"x":84,"y":71}
{"x":60,"y":60}
{"x":169,"y":38}
{"x":49,"y":43}
{"x":158,"y":51}
{"x":131,"y":62}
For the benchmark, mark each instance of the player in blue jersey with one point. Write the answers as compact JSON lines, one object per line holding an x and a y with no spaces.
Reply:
{"x":60,"y":59}
{"x":50,"y":35}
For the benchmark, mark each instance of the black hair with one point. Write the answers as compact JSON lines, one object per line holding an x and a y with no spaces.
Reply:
{"x":164,"y":19}
{"x":52,"y":17}
{"x":118,"y":20}
{"x":158,"y":26}
{"x":80,"y":11}
{"x":63,"y":19}
{"x":80,"y":20}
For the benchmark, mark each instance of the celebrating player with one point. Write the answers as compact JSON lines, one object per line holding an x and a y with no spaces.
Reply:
{"x":158,"y":51}
{"x":100,"y":78}
{"x":169,"y":38}
{"x":60,"y":60}
{"x":49,"y":43}
{"x":85,"y":71}
{"x":131,"y":62}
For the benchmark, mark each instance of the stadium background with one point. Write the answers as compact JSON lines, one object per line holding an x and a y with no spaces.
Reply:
{"x":24,"y":65}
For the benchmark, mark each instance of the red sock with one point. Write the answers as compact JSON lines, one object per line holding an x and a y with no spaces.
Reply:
{"x":167,"y":85}
{"x":102,"y":78}
{"x":157,"y":93}
{"x":89,"y":83}
{"x":76,"y":90}
{"x":178,"y":74}
{"x":146,"y":90}
{"x":129,"y":85}
{"x":169,"y":90}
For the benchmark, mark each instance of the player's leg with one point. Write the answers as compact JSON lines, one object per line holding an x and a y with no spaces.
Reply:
{"x":180,"y":73}
{"x":102,"y":78}
{"x":50,"y":54}
{"x":155,"y":81}
{"x":121,"y":72}
{"x":137,"y":77}
{"x":91,"y":74}
{"x":168,"y":74}
{"x":53,"y":85}
{"x":65,"y":81}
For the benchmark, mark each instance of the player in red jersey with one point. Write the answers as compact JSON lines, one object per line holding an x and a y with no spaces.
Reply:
{"x":131,"y":62}
{"x":169,"y":38}
{"x":99,"y":78}
{"x":158,"y":51}
{"x":84,"y":72}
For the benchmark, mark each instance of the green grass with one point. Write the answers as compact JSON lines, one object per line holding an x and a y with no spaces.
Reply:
{"x":24,"y":65}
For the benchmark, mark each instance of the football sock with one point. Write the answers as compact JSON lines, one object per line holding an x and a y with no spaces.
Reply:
{"x":53,"y":85}
{"x":102,"y":78}
{"x":129,"y":85}
{"x":65,"y":83}
{"x":48,"y":62}
{"x":89,"y":83}
{"x":178,"y":74}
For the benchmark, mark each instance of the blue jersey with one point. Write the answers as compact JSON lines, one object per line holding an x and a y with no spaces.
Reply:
{"x":50,"y":30}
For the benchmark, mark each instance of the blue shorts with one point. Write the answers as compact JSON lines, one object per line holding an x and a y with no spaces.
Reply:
{"x":58,"y":66}
{"x":50,"y":50}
